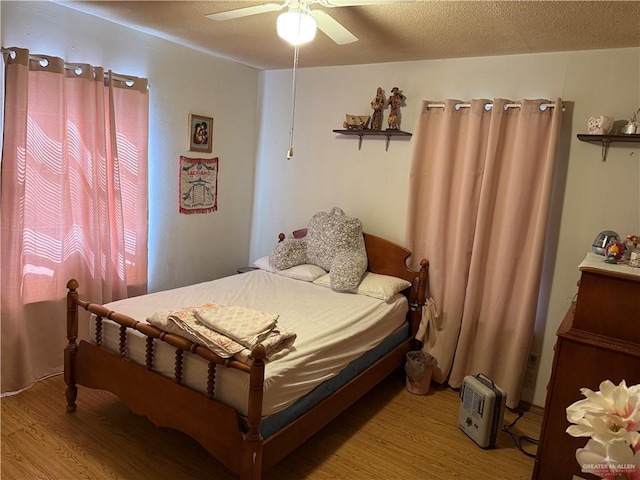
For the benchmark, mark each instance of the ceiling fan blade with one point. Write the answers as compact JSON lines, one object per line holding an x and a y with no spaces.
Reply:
{"x":334,"y":30}
{"x":358,"y":3}
{"x":245,"y":12}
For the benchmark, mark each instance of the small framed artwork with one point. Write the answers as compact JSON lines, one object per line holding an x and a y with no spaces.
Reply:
{"x":200,"y":133}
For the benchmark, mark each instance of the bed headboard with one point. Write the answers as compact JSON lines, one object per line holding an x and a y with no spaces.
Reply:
{"x":385,"y":257}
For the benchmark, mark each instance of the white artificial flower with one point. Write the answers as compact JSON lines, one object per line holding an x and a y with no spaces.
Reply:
{"x":609,"y":414}
{"x":614,"y":460}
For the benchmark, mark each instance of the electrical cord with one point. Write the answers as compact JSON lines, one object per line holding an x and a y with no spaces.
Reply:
{"x":518,"y":439}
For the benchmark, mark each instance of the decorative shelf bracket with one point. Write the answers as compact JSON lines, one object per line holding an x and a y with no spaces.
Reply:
{"x":374,"y":133}
{"x":606,"y":140}
{"x":605,"y":148}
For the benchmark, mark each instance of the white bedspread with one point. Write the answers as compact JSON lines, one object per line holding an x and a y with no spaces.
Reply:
{"x":332,"y":330}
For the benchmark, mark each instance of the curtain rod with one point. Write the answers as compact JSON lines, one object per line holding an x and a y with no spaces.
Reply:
{"x":489,"y":106}
{"x":70,"y":66}
{"x":127,"y":80}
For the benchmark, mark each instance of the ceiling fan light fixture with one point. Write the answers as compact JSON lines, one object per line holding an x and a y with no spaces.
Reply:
{"x":296,"y":27}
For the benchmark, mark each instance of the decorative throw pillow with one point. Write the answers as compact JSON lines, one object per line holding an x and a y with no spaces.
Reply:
{"x":289,"y":253}
{"x":335,"y":242}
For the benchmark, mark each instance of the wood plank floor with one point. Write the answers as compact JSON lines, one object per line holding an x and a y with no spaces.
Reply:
{"x":390,"y":434}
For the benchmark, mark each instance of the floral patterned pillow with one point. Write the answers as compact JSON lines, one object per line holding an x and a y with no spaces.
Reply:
{"x":288,"y":253}
{"x":334,"y":242}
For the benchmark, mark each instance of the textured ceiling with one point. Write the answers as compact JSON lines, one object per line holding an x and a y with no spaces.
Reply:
{"x":419,"y":30}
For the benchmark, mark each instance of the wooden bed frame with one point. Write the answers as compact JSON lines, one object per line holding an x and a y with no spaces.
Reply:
{"x":216,"y":426}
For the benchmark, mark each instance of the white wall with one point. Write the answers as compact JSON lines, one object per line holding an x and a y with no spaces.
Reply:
{"x":371,"y":183}
{"x":183,"y":249}
{"x":328,"y":169}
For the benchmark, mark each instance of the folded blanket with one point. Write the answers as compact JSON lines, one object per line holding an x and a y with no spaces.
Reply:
{"x":184,"y":322}
{"x":246,"y":326}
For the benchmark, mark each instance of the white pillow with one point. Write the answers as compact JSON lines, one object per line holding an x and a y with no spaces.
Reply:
{"x":306,"y":272}
{"x":263,"y":264}
{"x":373,"y":285}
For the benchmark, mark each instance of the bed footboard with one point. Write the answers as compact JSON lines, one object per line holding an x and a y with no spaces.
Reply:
{"x":217,"y":427}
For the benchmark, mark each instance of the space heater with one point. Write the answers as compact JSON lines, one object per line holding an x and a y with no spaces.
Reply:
{"x":481,"y":413}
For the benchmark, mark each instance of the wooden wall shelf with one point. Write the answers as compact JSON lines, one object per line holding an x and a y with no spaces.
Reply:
{"x":606,"y":140}
{"x":374,"y":133}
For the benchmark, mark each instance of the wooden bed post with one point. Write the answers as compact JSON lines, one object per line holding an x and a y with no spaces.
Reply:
{"x":422,"y":295}
{"x":423,"y":284}
{"x":252,"y":447}
{"x":72,"y":347}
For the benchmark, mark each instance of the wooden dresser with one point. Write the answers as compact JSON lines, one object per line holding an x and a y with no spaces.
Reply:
{"x":598,"y":339}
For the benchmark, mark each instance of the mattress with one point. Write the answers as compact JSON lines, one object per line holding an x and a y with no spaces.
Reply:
{"x":333,"y":329}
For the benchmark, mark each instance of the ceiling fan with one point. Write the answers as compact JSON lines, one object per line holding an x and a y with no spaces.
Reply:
{"x":298,"y":25}
{"x":300,"y":16}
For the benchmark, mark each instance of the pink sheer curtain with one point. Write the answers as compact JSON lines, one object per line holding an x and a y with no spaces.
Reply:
{"x":74,"y":202}
{"x":480,"y":188}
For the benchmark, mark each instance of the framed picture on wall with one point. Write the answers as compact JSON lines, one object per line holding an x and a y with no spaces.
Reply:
{"x":200,"y":133}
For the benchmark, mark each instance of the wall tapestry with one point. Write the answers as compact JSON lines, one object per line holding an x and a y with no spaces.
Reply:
{"x":198,"y":185}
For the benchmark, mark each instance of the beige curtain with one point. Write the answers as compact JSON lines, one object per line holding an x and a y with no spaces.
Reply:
{"x":74,"y":202}
{"x":480,"y":187}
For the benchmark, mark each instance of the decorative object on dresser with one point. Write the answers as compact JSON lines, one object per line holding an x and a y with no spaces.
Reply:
{"x":633,"y":253}
{"x":200,"y":134}
{"x":614,"y":252}
{"x":598,"y":339}
{"x":603,"y":240}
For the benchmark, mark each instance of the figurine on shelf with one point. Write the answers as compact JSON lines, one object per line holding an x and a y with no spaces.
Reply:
{"x":378,"y":105}
{"x":395,"y":101}
{"x":356,"y":122}
{"x":633,"y":126}
{"x":599,"y":125}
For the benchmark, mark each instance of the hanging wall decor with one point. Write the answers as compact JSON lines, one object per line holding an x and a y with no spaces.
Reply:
{"x":200,"y":134}
{"x":198,"y":185}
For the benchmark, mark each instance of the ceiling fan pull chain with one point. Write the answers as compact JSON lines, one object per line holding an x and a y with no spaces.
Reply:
{"x":293,"y":101}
